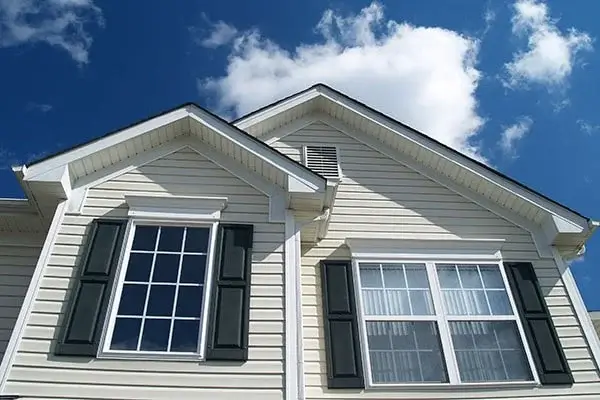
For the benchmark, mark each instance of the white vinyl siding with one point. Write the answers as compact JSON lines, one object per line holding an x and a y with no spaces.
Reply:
{"x":380,"y":198}
{"x":37,"y":373}
{"x":17,"y":264}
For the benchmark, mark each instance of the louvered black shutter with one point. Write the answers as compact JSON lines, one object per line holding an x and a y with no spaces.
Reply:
{"x":229,"y":320}
{"x":80,"y":335}
{"x":344,"y":365}
{"x":541,"y":335}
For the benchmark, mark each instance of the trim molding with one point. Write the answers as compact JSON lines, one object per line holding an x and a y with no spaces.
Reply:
{"x":32,"y":291}
{"x":176,"y":207}
{"x":450,"y":249}
{"x":585,"y":321}
{"x":294,"y":368}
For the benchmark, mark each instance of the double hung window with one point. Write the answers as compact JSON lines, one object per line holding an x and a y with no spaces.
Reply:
{"x":434,"y":322}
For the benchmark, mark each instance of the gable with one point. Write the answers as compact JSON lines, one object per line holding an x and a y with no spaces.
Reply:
{"x":382,"y":197}
{"x":184,"y":172}
{"x":65,"y":175}
{"x":554,"y":224}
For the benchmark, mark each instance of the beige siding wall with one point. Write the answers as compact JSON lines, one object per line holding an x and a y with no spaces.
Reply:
{"x":381,"y":198}
{"x":37,"y":373}
{"x":16,"y":268}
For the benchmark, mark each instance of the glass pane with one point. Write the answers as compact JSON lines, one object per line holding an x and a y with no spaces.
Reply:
{"x":156,"y":335}
{"x":393,"y":276}
{"x":469,"y":276}
{"x":370,"y":276}
{"x":144,"y":238}
{"x":374,"y":302}
{"x":405,"y":352}
{"x":125,"y":334}
{"x":185,"y":336}
{"x":170,"y":238}
{"x":480,"y":351}
{"x":161,"y":299}
{"x":454,"y":303}
{"x":476,"y":302}
{"x":166,"y":268}
{"x":448,"y":276}
{"x":133,"y":298}
{"x":138,"y":269}
{"x":421,"y":302}
{"x":416,"y":276}
{"x":499,"y":302}
{"x":192,"y":269}
{"x":397,"y":301}
{"x":491,"y":276}
{"x":189,"y":301}
{"x":196,"y":240}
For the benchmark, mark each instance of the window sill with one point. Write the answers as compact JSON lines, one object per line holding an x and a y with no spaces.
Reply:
{"x":138,"y":356}
{"x":453,"y":387}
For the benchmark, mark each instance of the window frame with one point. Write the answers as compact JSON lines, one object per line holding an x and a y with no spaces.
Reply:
{"x":104,"y":350}
{"x":441,"y":318}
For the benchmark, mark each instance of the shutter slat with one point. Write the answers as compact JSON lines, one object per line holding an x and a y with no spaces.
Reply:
{"x":323,"y":160}
{"x":80,"y":335}
{"x":344,"y":364}
{"x":546,"y":350}
{"x":229,"y":321}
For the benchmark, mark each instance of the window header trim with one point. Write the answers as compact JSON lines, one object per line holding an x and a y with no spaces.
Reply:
{"x":176,"y":207}
{"x":419,"y":249}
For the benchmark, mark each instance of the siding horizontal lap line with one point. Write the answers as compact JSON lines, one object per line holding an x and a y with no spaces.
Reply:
{"x":147,"y":378}
{"x":124,"y":392}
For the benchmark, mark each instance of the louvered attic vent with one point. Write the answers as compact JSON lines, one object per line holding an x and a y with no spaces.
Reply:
{"x":323,"y":160}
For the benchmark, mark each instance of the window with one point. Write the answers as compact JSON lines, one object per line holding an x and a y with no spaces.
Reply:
{"x":432,"y":322}
{"x":162,"y":292}
{"x":323,"y":160}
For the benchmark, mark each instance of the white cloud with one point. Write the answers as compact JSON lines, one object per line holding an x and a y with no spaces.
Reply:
{"x":423,"y":76}
{"x":587,"y":127}
{"x":44,"y":108}
{"x":59,"y":23}
{"x":489,"y":16}
{"x":550,"y":55}
{"x":222,"y":34}
{"x":514,"y":133}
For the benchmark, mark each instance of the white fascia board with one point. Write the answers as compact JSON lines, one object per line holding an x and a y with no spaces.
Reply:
{"x":269,"y":112}
{"x":106,"y":142}
{"x":59,"y":175}
{"x":309,"y":179}
{"x":463,"y":162}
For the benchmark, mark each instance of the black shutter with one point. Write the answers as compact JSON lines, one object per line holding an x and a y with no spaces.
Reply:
{"x":229,"y":320}
{"x":541,"y":335}
{"x":344,"y":365}
{"x":82,"y":328}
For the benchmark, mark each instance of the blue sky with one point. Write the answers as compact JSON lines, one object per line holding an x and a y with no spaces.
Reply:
{"x":511,"y":83}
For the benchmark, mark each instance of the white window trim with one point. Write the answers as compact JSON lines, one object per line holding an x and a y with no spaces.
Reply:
{"x":108,"y":328}
{"x":441,"y":318}
{"x":195,"y":208}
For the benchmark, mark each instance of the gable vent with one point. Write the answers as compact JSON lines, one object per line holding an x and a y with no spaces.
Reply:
{"x":323,"y":160}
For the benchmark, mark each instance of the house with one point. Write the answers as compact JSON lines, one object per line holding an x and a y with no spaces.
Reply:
{"x":313,"y":249}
